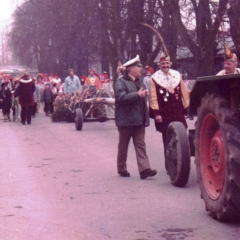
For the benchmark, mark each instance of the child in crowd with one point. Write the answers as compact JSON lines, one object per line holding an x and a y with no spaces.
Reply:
{"x":6,"y":101}
{"x":48,"y":98}
{"x":15,"y":108}
{"x":55,"y":90}
{"x":15,"y":103}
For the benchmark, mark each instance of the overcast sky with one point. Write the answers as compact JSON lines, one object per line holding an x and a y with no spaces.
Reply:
{"x":6,"y":9}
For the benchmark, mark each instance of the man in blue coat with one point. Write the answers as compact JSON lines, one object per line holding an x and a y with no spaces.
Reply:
{"x":72,"y":83}
{"x":131,"y":118}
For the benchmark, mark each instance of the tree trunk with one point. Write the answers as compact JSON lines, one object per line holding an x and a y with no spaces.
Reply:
{"x":234,"y":17}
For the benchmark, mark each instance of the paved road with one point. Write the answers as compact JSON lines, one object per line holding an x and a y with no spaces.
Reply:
{"x":57,"y":183}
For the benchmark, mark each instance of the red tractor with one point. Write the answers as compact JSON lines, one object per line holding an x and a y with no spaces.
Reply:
{"x":215,"y":143}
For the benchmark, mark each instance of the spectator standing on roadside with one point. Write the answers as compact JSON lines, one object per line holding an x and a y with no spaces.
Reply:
{"x":36,"y":97}
{"x":25,"y":91}
{"x":48,"y":98}
{"x":6,"y":100}
{"x":148,"y":77}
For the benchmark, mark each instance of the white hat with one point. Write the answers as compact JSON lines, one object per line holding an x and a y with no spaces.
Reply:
{"x":132,"y":62}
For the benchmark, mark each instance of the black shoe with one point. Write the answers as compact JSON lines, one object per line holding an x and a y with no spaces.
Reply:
{"x":148,"y":173}
{"x":124,"y":173}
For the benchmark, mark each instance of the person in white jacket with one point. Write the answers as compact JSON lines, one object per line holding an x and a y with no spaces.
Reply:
{"x":230,"y":63}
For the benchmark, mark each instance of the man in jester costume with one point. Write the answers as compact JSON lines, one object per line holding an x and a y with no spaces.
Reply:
{"x":169,"y":98}
{"x":230,"y":63}
{"x":93,"y":80}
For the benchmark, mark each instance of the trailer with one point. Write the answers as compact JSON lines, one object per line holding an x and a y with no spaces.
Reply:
{"x":93,"y":105}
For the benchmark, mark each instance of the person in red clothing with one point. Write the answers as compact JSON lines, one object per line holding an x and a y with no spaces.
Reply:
{"x":147,"y":79}
{"x":93,"y":80}
{"x":169,"y":98}
{"x":25,"y":92}
{"x":105,"y":81}
{"x":104,"y":78}
{"x":82,"y":79}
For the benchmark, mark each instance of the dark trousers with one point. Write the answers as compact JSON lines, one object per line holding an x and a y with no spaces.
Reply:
{"x":48,"y":108}
{"x":138,"y":136}
{"x":26,"y":114}
{"x":6,"y":110}
{"x":34,"y":109}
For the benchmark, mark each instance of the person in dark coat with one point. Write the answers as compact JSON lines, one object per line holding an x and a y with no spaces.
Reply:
{"x":6,"y":101}
{"x":131,"y":118}
{"x":48,"y":98}
{"x":25,"y":91}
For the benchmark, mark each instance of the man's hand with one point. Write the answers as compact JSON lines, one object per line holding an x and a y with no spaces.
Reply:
{"x":142,"y":93}
{"x":158,"y":118}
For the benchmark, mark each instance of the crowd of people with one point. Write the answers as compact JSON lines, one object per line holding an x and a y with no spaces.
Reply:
{"x":161,"y":95}
{"x":23,"y":96}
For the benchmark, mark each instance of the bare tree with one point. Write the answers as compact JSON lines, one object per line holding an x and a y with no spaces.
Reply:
{"x":203,"y":46}
{"x":234,"y":17}
{"x":59,"y":34}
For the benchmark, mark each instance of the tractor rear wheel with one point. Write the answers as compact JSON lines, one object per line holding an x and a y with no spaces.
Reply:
{"x":217,"y":152}
{"x":177,"y":156}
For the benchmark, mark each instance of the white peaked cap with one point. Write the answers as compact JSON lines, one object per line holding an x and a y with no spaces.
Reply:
{"x":132,"y":61}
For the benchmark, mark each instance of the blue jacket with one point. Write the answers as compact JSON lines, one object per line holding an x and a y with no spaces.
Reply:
{"x":71,"y":85}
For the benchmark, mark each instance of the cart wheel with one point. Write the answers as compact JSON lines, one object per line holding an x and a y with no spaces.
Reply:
{"x":79,"y":119}
{"x":177,"y":156}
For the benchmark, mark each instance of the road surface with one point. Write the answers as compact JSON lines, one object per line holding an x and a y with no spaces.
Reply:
{"x":58,"y":183}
